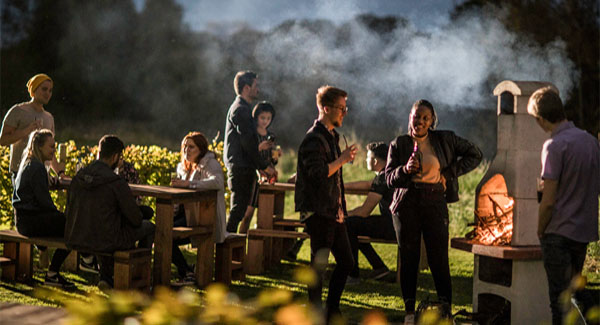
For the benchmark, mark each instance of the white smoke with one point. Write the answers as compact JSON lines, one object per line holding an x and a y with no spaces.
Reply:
{"x":451,"y":66}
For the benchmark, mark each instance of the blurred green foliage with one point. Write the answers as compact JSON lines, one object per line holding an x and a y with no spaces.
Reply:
{"x":154,"y":165}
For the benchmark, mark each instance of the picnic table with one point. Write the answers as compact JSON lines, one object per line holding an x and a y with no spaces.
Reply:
{"x":205,"y":204}
{"x":274,"y":234}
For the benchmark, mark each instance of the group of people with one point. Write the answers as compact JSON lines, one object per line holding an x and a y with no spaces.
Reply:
{"x":416,"y":176}
{"x":422,"y":184}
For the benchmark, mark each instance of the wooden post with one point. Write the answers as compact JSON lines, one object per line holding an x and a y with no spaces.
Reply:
{"x":207,"y":213}
{"x":266,"y":207}
{"x":9,"y":271}
{"x":24,"y":261}
{"x":163,"y":242}
{"x":254,"y":262}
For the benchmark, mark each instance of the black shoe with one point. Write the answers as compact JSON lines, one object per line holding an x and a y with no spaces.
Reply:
{"x":290,"y":256}
{"x":89,"y":267}
{"x":188,"y":279}
{"x":58,"y":281}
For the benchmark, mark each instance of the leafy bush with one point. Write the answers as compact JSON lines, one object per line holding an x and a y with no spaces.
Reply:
{"x":154,"y":165}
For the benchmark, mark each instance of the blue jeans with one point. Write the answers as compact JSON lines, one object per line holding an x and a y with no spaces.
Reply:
{"x":563,"y":260}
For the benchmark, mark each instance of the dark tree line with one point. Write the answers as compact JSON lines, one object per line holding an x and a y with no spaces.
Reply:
{"x":150,"y":76}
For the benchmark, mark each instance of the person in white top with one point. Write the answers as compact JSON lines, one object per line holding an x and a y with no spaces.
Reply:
{"x":198,"y":169}
{"x":26,"y":117}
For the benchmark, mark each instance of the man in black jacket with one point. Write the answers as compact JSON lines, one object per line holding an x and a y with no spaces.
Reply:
{"x":319,"y":195}
{"x":102,"y":215}
{"x":241,"y":148}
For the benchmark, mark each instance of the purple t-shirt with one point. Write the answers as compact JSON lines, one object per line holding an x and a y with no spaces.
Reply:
{"x":572,"y":156}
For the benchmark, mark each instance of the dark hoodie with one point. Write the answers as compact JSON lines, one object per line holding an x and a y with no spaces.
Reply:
{"x":101,"y":211}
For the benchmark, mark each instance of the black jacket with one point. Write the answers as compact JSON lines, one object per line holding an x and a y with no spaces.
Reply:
{"x":241,"y":142}
{"x":315,"y":190}
{"x":31,"y":193}
{"x":456,"y":155}
{"x":101,"y":211}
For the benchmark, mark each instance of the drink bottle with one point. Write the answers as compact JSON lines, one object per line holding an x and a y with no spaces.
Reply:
{"x":418,"y":156}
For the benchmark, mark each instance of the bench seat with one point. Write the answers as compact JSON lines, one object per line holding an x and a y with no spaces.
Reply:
{"x":132,"y":267}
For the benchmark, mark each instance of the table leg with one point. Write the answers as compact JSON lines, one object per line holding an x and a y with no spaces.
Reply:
{"x":163,"y":243}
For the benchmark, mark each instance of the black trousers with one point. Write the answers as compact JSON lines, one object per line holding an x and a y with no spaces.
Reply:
{"x":44,"y":224}
{"x":374,"y":226}
{"x":328,"y":235}
{"x":423,"y":212}
{"x":241,"y":182}
{"x":563,"y":260}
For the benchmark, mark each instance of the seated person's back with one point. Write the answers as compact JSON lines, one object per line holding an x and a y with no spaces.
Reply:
{"x":102,"y":215}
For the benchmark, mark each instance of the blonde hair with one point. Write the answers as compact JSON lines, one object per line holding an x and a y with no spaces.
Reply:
{"x":37,"y":139}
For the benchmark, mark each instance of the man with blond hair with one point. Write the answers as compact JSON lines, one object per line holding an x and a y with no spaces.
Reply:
{"x":319,"y":196}
{"x":26,"y":117}
{"x":568,"y":212}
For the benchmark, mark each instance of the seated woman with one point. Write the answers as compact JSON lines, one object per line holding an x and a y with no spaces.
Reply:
{"x":35,"y":212}
{"x":198,"y":169}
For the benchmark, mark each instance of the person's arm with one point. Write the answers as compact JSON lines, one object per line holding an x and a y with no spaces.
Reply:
{"x":358,"y":185}
{"x":244,"y":124}
{"x":395,"y":175}
{"x":129,"y":209}
{"x":347,"y":155}
{"x":368,"y":205}
{"x":468,"y":157}
{"x":215,"y":179}
{"x":39,"y":185}
{"x":10,"y":134}
{"x":547,"y":205}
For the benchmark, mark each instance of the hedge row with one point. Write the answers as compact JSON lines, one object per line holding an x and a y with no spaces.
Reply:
{"x":154,"y":165}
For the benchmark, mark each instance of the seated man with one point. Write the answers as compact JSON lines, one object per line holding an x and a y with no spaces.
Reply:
{"x":361,"y":223}
{"x":102,"y":215}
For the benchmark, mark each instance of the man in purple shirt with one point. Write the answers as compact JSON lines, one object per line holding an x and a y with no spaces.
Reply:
{"x":568,"y":212}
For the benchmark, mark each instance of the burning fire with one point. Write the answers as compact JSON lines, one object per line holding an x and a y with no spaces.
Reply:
{"x":494,"y":215}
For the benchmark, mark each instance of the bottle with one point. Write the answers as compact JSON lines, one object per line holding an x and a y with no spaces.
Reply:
{"x":418,"y":156}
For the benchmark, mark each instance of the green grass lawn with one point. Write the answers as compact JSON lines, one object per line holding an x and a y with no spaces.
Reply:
{"x":357,"y":299}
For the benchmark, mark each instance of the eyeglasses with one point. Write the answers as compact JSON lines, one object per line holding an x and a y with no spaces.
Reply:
{"x":344,"y":109}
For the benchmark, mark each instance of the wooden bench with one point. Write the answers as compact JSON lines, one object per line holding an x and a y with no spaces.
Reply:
{"x":255,"y":237}
{"x":229,"y":259}
{"x":131,"y":269}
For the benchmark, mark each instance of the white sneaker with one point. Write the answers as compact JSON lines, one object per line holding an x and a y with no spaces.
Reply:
{"x":409,"y":319}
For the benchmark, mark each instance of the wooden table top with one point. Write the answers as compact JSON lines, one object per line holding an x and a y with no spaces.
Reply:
{"x":281,"y":187}
{"x":158,"y":191}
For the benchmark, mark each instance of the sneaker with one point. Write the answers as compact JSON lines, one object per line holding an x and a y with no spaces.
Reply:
{"x":58,"y":281}
{"x":409,"y":319}
{"x":89,"y":267}
{"x":379,"y":273}
{"x":352,"y":280}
